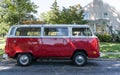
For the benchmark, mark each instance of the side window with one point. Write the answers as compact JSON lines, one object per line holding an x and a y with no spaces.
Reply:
{"x":81,"y":32}
{"x":55,"y":32}
{"x":28,"y":31}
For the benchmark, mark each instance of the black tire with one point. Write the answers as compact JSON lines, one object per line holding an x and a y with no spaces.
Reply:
{"x":79,"y":59}
{"x":24,"y":59}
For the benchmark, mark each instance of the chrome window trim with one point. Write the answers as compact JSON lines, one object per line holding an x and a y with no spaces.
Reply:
{"x":84,"y":37}
{"x":24,"y":37}
{"x":51,"y":37}
{"x":37,"y":37}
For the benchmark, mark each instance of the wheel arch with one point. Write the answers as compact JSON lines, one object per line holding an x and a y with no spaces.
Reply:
{"x":16,"y":55}
{"x":79,"y":50}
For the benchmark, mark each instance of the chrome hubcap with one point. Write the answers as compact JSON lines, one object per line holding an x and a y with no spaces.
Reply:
{"x":79,"y":60}
{"x":24,"y":59}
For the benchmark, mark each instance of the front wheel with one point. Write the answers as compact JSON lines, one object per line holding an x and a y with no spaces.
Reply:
{"x":79,"y":59}
{"x":24,"y":59}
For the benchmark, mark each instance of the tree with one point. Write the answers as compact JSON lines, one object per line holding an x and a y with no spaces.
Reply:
{"x":3,"y":28}
{"x":52,"y":16}
{"x":71,"y":15}
{"x":13,"y":11}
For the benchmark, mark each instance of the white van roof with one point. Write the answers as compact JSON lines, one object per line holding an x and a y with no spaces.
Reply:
{"x":52,"y":25}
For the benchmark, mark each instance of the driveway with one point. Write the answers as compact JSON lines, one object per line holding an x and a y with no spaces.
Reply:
{"x":61,"y":67}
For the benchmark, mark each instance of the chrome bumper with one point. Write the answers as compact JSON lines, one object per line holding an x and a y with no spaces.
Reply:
{"x":5,"y":56}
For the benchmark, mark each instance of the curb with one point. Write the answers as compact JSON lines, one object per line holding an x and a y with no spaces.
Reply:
{"x":114,"y":53}
{"x":106,"y":59}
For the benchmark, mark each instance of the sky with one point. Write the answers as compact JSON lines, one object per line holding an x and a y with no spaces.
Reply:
{"x":44,"y":5}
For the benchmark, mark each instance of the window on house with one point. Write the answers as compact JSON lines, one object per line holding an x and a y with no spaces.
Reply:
{"x":86,"y":16}
{"x":105,"y":15}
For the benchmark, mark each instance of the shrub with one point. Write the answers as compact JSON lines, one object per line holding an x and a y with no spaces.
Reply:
{"x":104,"y":37}
{"x":116,"y":37}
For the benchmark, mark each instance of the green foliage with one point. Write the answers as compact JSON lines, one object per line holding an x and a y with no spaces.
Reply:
{"x":116,"y":36}
{"x":4,"y":28}
{"x":52,"y":16}
{"x":13,"y":11}
{"x":104,"y":37}
{"x":71,"y":15}
{"x":2,"y":43}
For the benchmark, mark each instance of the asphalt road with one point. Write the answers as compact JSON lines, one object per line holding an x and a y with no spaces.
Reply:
{"x":61,"y":67}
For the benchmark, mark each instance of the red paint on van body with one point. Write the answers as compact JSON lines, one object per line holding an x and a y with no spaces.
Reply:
{"x":52,"y":47}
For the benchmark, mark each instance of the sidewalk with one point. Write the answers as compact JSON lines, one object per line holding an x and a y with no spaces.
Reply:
{"x":106,"y":59}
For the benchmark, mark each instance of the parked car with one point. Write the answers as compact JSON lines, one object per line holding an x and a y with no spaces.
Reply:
{"x":26,"y":43}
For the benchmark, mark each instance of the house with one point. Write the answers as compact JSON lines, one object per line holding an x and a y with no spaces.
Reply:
{"x":102,"y":17}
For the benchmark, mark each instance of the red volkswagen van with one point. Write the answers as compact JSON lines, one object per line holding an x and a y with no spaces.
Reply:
{"x":29,"y":42}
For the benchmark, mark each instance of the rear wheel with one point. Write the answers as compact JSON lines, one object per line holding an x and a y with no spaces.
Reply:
{"x":79,"y":59}
{"x":24,"y":59}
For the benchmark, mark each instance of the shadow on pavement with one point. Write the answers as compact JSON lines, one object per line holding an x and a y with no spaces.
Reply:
{"x":50,"y":63}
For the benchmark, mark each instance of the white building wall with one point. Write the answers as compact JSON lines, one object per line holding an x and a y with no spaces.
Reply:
{"x":96,"y":11}
{"x":1,"y":0}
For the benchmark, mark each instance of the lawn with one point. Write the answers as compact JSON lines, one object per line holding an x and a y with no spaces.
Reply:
{"x":109,"y":47}
{"x":104,"y":48}
{"x":2,"y":44}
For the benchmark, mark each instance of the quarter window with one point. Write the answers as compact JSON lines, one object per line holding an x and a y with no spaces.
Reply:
{"x":55,"y":32}
{"x":81,"y":32}
{"x":28,"y":31}
{"x":12,"y":31}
